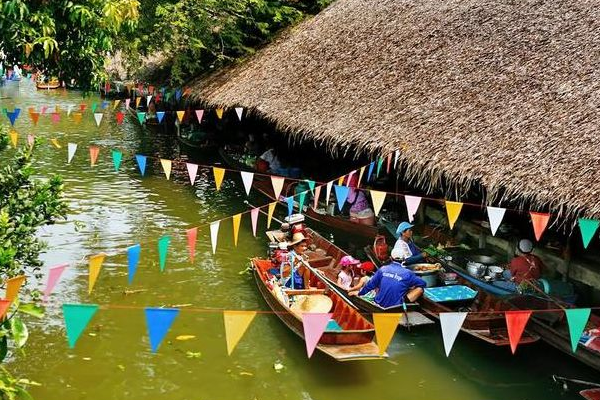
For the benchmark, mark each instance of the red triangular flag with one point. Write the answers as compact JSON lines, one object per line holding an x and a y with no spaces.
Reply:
{"x":82,"y":107}
{"x":539,"y":221}
{"x":35,"y":116}
{"x":191,"y":239}
{"x":4,"y":304}
{"x":120,"y":117}
{"x":515,"y":323}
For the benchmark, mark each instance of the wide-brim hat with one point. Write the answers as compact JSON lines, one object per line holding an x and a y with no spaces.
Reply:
{"x":297,"y":237}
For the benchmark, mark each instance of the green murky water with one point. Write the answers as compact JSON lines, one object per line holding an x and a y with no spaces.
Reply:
{"x":110,"y":211}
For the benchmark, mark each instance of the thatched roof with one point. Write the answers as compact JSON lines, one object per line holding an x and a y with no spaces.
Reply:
{"x":501,"y":93}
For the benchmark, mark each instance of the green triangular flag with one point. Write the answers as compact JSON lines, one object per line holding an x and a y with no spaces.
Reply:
{"x":141,"y":116}
{"x":577,"y":319}
{"x":301,"y":198}
{"x":379,"y":164}
{"x":94,"y":105}
{"x":311,"y":186}
{"x":77,"y":316}
{"x":167,"y":96}
{"x":117,"y":156}
{"x":588,"y":227}
{"x":163,"y":247}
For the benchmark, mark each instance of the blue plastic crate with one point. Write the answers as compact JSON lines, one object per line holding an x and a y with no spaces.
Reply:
{"x":441,"y":294}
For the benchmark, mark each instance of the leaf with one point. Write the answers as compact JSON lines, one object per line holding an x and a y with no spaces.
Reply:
{"x":32,"y":309}
{"x":191,"y":354}
{"x":185,"y":337}
{"x":20,"y":334}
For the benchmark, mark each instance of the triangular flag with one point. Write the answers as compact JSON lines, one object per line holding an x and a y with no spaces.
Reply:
{"x":192,"y":234}
{"x":141,"y":116}
{"x":219,"y":173}
{"x":163,"y":249}
{"x":254,"y":218}
{"x":77,"y":317}
{"x":77,"y":116}
{"x":13,"y":286}
{"x":379,"y":164}
{"x":199,"y":114}
{"x":82,"y":107}
{"x":453,"y":210}
{"x":148,"y":99}
{"x":290,"y":204}
{"x":120,"y":116}
{"x":30,"y":140}
{"x":192,"y":171}
{"x":301,"y":200}
{"x":451,"y":322}
{"x":14,"y":136}
{"x":54,"y":274}
{"x":141,"y":161}
{"x":117,"y":156}
{"x":341,"y":194}
{"x":236,"y":324}
{"x":539,"y":221}
{"x":55,"y":143}
{"x":35,"y":116}
{"x":239,"y":111}
{"x":219,"y":112}
{"x":159,"y":321}
{"x":341,"y":179}
{"x":160,"y":115}
{"x":577,"y":319}
{"x":214,"y":234}
{"x":116,"y":104}
{"x":370,"y":173}
{"x":12,"y":117}
{"x":270,"y":213}
{"x":166,"y":165}
{"x":588,"y":228}
{"x":316,"y":198}
{"x":69,"y":109}
{"x":4,"y":306}
{"x":180,"y":115}
{"x":127,"y":102}
{"x":247,"y":178}
{"x":389,"y":162}
{"x":55,"y":117}
{"x":412,"y":205}
{"x":95,"y":262}
{"x":495,"y":216}
{"x":328,"y":192}
{"x":98,"y":118}
{"x":178,"y":94}
{"x":237,"y":218}
{"x":360,"y":175}
{"x":311,"y":186}
{"x":277,"y":183}
{"x":396,"y":157}
{"x":378,"y":199}
{"x":133,"y":259}
{"x":137,"y":101}
{"x":104,"y":104}
{"x":515,"y":323}
{"x":94,"y":150}
{"x":385,"y":327}
{"x":314,"y":325}
{"x":71,"y":149}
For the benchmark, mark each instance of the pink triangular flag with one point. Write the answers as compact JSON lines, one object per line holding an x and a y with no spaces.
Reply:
{"x":192,"y":171}
{"x":314,"y":325}
{"x":277,"y":182}
{"x":254,"y":217}
{"x":55,"y":117}
{"x":94,"y":150}
{"x":199,"y":114}
{"x":54,"y":274}
{"x":412,"y":205}
{"x":214,"y":233}
{"x":247,"y":178}
{"x":127,"y":101}
{"x":389,"y":163}
{"x":316,"y":199}
{"x":30,"y":140}
{"x":191,"y":240}
{"x":515,"y":324}
{"x":328,"y":192}
{"x":540,"y":222}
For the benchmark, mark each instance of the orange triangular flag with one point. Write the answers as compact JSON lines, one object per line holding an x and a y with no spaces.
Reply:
{"x":94,"y":150}
{"x":166,"y":164}
{"x":180,"y":115}
{"x":13,"y":285}
{"x":35,"y":117}
{"x":95,"y":266}
{"x":219,"y":112}
{"x":237,"y":218}
{"x":77,"y":117}
{"x":540,"y":222}
{"x":219,"y":173}
{"x":4,"y":305}
{"x":236,"y":324}
{"x":385,"y":327}
{"x":137,"y":101}
{"x":191,"y":240}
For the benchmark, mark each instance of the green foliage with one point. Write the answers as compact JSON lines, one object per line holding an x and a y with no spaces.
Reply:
{"x":12,"y":388}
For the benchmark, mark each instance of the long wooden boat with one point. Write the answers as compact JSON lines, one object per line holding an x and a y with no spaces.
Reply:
{"x":348,"y":337}
{"x":263,"y":184}
{"x":48,"y":85}
{"x":551,"y":325}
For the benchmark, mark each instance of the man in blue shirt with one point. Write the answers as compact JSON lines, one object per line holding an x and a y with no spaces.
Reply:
{"x":395,"y":284}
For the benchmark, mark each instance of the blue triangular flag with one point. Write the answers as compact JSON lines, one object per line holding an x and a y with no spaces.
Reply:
{"x":17,"y":112}
{"x":341,"y":193}
{"x":12,"y":117}
{"x":141,"y":160}
{"x":77,"y":316}
{"x":371,"y":166}
{"x":160,"y":115}
{"x":178,"y":94}
{"x":290,"y":204}
{"x":163,"y":90}
{"x":133,"y":259}
{"x":104,"y":104}
{"x":159,"y":320}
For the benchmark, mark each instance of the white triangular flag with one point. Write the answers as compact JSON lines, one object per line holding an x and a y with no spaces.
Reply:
{"x":98,"y":118}
{"x":328,"y":192}
{"x":495,"y":216}
{"x":239,"y":111}
{"x":396,"y":157}
{"x":69,"y":109}
{"x":247,"y":178}
{"x":277,"y":182}
{"x":214,"y":233}
{"x":148,"y":98}
{"x":166,"y":165}
{"x":71,"y":148}
{"x":451,"y":323}
{"x":192,"y":171}
{"x":412,"y":205}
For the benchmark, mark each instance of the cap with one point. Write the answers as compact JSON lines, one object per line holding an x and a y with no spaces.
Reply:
{"x":397,"y":255}
{"x":403,"y":227}
{"x":367,"y":266}
{"x":348,"y":260}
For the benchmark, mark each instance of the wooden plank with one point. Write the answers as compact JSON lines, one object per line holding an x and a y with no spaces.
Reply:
{"x":415,"y":318}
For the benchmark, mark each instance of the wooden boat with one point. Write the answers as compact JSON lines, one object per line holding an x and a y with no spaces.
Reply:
{"x":350,"y":336}
{"x":590,"y":394}
{"x":263,"y":184}
{"x":552,"y":327}
{"x":47,"y":85}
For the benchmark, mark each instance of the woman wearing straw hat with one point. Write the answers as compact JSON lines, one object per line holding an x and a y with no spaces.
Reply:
{"x":298,"y":274}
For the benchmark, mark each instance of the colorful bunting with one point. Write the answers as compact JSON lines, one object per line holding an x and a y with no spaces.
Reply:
{"x":378,"y":198}
{"x":495,"y":216}
{"x":328,"y":192}
{"x":98,"y":118}
{"x":4,"y":306}
{"x":163,"y":249}
{"x":453,"y":210}
{"x":379,"y":164}
{"x":412,"y":206}
{"x":219,"y":112}
{"x":199,"y":114}
{"x":239,"y":111}
{"x":588,"y":228}
{"x":515,"y":323}
{"x":77,"y":317}
{"x":247,"y":178}
{"x":69,"y":109}
{"x":218,"y":173}
{"x":166,"y":165}
{"x":30,"y":140}
{"x":159,"y":321}
{"x":451,"y":323}
{"x":314,"y":325}
{"x":311,"y":186}
{"x":148,"y":99}
{"x":14,"y":136}
{"x":577,"y":319}
{"x":301,"y":200}
{"x":55,"y":143}
{"x":341,"y":194}
{"x":34,"y":117}
{"x":385,"y":327}
{"x":159,"y":116}
{"x":192,"y":234}
{"x":277,"y":183}
{"x":55,"y":117}
{"x":54,"y":275}
{"x":539,"y":221}
{"x":77,"y":116}
{"x":236,"y":324}
{"x":360,"y":175}
{"x":95,"y":264}
{"x":71,"y":149}
{"x":127,"y":102}
{"x":396,"y":157}
{"x":192,"y":172}
{"x":117,"y":156}
{"x":133,"y":259}
{"x":370,"y":173}
{"x":270,"y":213}
{"x":290,"y":205}
{"x":180,"y":115}
{"x":137,"y":102}
{"x":214,"y":234}
{"x":120,"y":116}
{"x":237,"y":218}
{"x":316,"y":198}
{"x":82,"y":107}
{"x":141,"y":161}
{"x":13,"y":286}
{"x":141,"y":116}
{"x":94,"y":106}
{"x":389,"y":162}
{"x":116,"y":104}
{"x":94,"y":150}
{"x":254,"y":218}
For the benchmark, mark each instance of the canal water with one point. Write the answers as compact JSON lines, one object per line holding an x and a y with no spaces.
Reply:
{"x":109,"y":211}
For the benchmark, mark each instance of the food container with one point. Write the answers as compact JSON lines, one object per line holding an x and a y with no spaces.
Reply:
{"x":476,"y":269}
{"x":494,"y":272}
{"x":429,"y":274}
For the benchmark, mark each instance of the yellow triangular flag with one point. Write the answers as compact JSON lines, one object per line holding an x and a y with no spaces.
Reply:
{"x":341,"y":180}
{"x":237,"y":218}
{"x":13,"y":137}
{"x":166,"y":164}
{"x":137,"y":101}
{"x":378,"y":199}
{"x":360,"y":174}
{"x":236,"y":324}
{"x":116,"y":104}
{"x":270,"y":213}
{"x":55,"y":143}
{"x":57,"y":108}
{"x":219,"y":112}
{"x":13,"y":285}
{"x":219,"y":173}
{"x":180,"y":115}
{"x":385,"y":327}
{"x":95,"y":266}
{"x":453,"y":210}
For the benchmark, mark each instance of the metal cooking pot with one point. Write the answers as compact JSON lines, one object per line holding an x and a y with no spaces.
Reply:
{"x":476,"y":269}
{"x":494,"y":272}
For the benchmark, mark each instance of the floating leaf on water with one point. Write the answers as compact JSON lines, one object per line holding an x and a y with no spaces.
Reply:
{"x":87,"y":358}
{"x":181,"y":305}
{"x":185,"y":337}
{"x":133,"y":291}
{"x":191,"y":354}
{"x":246,"y":373}
{"x":278,"y":366}
{"x":92,"y":334}
{"x":32,"y":309}
{"x":121,"y":367}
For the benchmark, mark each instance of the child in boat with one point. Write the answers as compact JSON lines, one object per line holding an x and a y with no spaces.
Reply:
{"x":298,"y":274}
{"x":345,"y":276}
{"x":365,"y":271}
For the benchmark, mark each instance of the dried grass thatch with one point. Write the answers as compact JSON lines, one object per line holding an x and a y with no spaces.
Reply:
{"x":501,"y":93}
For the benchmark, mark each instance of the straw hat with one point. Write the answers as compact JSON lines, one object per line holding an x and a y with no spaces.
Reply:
{"x":314,"y":303}
{"x":296,"y":238}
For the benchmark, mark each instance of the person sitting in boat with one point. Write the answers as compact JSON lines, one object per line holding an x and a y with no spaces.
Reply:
{"x":524,"y":267}
{"x":396,"y":285}
{"x":406,"y":246}
{"x":360,"y":209}
{"x":345,"y":276}
{"x":251,"y":147}
{"x":365,"y":272}
{"x":298,"y":276}
{"x":270,"y":156}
